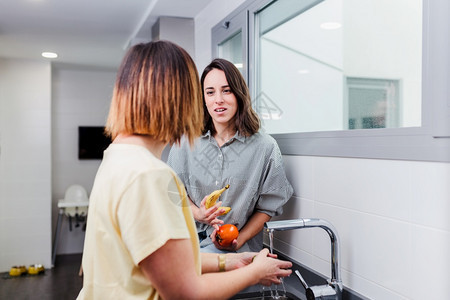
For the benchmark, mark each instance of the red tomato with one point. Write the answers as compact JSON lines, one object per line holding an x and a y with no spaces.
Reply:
{"x":226,"y":234}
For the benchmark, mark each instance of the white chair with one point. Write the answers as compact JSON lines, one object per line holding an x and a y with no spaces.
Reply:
{"x":75,"y":200}
{"x":75,"y":204}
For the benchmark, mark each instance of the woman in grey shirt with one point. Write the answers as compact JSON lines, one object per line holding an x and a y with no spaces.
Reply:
{"x":232,"y":150}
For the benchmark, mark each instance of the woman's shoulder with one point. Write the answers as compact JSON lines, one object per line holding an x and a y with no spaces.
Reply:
{"x":264,"y":140}
{"x":266,"y":145}
{"x":133,"y":161}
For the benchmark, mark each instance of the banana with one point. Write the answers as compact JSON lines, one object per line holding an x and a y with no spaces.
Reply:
{"x":226,"y":208}
{"x":212,"y":198}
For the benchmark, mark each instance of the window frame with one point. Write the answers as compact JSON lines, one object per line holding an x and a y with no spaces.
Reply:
{"x":429,"y":142}
{"x":234,"y":23}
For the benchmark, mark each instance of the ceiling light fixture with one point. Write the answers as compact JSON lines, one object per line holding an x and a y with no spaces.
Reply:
{"x":330,"y":25}
{"x":49,"y":55}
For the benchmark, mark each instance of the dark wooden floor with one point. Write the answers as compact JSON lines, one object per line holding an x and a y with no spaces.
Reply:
{"x":60,"y":283}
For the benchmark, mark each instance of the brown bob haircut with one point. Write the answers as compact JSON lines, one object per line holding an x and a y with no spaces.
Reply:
{"x":246,"y":120}
{"x":157,"y":93}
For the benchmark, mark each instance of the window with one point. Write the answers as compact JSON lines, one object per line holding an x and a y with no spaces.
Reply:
{"x":231,"y":50}
{"x":354,"y":78}
{"x":316,"y":45}
{"x":229,"y":40}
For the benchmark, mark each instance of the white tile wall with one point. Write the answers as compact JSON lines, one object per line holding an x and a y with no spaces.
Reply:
{"x":391,"y":216}
{"x":430,"y":199}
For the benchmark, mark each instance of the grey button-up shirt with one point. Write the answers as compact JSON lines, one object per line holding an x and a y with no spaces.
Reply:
{"x":253,"y":168}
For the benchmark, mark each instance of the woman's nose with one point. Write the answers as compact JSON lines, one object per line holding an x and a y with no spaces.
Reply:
{"x":219,"y":98}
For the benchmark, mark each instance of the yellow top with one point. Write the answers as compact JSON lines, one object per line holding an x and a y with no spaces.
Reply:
{"x":137,"y":204}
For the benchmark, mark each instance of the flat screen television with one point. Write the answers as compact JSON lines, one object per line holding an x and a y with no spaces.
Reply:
{"x":92,"y":141}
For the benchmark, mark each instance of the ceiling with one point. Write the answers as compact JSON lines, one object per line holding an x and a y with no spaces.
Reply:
{"x":83,"y":32}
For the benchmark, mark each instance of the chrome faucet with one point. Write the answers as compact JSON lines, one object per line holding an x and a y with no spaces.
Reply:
{"x":332,"y":290}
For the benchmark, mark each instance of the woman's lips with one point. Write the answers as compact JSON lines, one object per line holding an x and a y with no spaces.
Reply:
{"x":220,"y":109}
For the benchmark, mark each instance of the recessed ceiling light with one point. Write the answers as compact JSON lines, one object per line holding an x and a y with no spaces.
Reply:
{"x":49,"y":55}
{"x":330,"y":25}
{"x":303,"y":71}
{"x":239,"y":65}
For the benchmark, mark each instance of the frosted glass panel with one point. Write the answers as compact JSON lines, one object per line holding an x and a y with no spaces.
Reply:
{"x":339,"y":65}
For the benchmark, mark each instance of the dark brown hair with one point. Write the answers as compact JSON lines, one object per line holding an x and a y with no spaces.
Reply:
{"x":157,"y":93}
{"x":246,"y":119}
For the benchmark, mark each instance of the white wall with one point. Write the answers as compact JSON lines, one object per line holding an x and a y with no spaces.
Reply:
{"x":177,"y":30}
{"x":25,"y":163}
{"x":81,"y":97}
{"x":40,"y":110}
{"x":392,"y":216}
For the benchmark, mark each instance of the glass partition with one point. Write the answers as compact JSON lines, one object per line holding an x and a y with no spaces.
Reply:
{"x":330,"y":65}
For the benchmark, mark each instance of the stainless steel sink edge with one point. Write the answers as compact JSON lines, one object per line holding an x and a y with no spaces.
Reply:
{"x":293,"y":286}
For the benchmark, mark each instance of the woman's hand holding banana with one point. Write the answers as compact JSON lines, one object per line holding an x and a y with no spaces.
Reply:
{"x":210,"y":209}
{"x":209,"y":215}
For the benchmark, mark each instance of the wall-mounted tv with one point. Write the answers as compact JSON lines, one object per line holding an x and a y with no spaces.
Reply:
{"x":92,"y":141}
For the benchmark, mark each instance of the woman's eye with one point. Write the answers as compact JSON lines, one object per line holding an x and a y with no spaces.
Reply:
{"x":226,"y":92}
{"x":209,"y":93}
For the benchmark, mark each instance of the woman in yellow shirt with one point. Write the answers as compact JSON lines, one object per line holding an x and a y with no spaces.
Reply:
{"x":141,"y":241}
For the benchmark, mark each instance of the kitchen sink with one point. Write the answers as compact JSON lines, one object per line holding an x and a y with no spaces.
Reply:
{"x":264,"y":296}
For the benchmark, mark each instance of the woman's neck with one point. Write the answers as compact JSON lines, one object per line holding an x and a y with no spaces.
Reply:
{"x":156,"y":147}
{"x":224,"y":134}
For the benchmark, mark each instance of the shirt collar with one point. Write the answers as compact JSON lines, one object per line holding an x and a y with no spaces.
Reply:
{"x":236,"y":136}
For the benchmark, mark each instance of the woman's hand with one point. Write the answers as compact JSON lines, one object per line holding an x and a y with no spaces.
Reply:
{"x":271,"y":269}
{"x":253,"y":226}
{"x":234,"y":244}
{"x":209,"y":215}
{"x":238,"y":260}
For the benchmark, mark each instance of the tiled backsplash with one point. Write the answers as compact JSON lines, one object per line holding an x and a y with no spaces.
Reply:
{"x":391,"y":216}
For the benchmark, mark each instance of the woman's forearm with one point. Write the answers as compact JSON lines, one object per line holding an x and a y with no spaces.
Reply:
{"x":210,"y":262}
{"x":231,"y":261}
{"x":253,"y":226}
